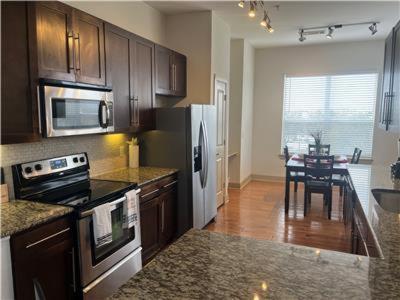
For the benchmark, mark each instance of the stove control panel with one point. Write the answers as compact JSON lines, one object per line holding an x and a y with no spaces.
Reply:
{"x":53,"y":165}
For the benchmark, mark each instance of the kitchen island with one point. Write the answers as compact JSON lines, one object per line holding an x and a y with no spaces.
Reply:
{"x":207,"y":265}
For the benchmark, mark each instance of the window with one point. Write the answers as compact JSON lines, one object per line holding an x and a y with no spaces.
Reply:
{"x":341,"y":106}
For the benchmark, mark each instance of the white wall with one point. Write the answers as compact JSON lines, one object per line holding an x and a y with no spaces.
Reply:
{"x":247,"y":112}
{"x":270,"y":66}
{"x":241,"y":110}
{"x":220,"y":49}
{"x":134,"y":16}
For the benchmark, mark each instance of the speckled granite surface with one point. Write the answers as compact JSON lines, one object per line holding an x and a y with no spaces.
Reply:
{"x":18,"y":215}
{"x":141,"y":175}
{"x":384,"y":224}
{"x":207,"y":265}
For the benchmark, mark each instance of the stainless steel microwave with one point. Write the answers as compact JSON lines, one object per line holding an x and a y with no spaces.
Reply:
{"x":66,"y":111}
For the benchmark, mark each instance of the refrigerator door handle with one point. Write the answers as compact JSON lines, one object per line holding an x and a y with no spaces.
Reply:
{"x":206,"y":151}
{"x":202,"y":147}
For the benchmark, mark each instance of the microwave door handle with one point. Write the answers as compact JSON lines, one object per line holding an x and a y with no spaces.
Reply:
{"x":103,"y":114}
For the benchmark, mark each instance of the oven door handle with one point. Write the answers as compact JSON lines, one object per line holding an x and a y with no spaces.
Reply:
{"x":90,"y":212}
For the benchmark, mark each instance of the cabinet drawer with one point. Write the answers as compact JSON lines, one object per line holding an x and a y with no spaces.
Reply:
{"x":42,"y":236}
{"x":149,"y":191}
{"x":168,"y":182}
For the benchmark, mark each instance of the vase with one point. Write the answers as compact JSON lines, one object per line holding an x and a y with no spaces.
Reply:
{"x":133,"y":156}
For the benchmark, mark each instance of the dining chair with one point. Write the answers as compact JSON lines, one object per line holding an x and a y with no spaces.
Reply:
{"x":296,"y":177}
{"x":324,"y":149}
{"x":339,"y":180}
{"x":318,"y":179}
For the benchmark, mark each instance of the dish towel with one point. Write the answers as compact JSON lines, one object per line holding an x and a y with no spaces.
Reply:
{"x":102,"y":225}
{"x":130,"y":209}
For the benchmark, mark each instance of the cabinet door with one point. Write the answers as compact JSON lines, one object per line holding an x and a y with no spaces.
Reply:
{"x":150,"y":228}
{"x":394,"y":113}
{"x":168,"y":202}
{"x":143,"y":84}
{"x":118,"y":51}
{"x":89,"y":48}
{"x":19,"y":111}
{"x":179,"y":71}
{"x":163,"y":70}
{"x":387,"y":81}
{"x":55,"y":41}
{"x":43,"y":262}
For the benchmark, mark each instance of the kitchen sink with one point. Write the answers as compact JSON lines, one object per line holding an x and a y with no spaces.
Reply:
{"x":388,"y":199}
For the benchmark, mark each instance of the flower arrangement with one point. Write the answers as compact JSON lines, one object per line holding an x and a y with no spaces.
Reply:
{"x":317,"y":136}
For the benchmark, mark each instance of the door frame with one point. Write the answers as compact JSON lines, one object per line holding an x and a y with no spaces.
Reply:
{"x":226,"y":126}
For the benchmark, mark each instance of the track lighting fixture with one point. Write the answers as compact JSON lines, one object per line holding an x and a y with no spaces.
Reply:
{"x":241,"y":4}
{"x":302,"y":38}
{"x":330,"y":31}
{"x":322,"y":29}
{"x":264,"y":21}
{"x":373,"y":28}
{"x":269,"y":28}
{"x":252,"y":11}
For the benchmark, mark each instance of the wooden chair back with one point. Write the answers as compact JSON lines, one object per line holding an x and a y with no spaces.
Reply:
{"x":319,"y":167}
{"x":356,"y":156}
{"x":324,"y":149}
{"x":286,"y":152}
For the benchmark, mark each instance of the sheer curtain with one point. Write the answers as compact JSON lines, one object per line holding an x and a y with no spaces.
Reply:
{"x":341,"y":106}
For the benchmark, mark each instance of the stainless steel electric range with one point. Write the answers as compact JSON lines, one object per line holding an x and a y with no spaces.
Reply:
{"x":65,"y":180}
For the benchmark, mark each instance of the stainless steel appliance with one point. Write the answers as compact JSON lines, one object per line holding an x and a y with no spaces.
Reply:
{"x":73,"y":110}
{"x":185,"y":138}
{"x":65,"y":181}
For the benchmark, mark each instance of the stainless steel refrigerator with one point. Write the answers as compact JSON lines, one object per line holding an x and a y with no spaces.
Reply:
{"x":185,"y":138}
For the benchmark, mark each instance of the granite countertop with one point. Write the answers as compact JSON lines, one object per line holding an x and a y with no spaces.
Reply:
{"x":18,"y":215}
{"x":141,"y":175}
{"x":208,"y":265}
{"x":385,"y":225}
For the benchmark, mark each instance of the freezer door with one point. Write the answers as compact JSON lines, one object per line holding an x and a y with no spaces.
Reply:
{"x":210,"y":177}
{"x":196,"y":115}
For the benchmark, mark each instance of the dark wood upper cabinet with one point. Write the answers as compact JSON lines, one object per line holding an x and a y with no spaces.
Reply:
{"x":130,"y":72}
{"x":55,"y":41}
{"x":19,"y":111}
{"x":170,"y":72}
{"x":70,"y":44}
{"x":89,"y":48}
{"x":389,"y":116}
{"x":142,"y":83}
{"x":118,"y":52}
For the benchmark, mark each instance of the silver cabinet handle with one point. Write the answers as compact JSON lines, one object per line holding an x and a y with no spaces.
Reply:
{"x":162,"y":216}
{"x":169,"y":184}
{"x":150,"y":193}
{"x":77,"y":52}
{"x":39,"y":294}
{"x":47,"y":238}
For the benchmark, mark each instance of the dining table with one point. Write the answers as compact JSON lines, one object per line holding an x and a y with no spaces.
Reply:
{"x":296,"y":164}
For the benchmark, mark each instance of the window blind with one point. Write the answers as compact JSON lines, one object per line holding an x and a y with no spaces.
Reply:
{"x":341,"y":106}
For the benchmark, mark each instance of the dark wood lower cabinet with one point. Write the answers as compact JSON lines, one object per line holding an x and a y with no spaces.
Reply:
{"x":43,"y":262}
{"x":157,"y":216}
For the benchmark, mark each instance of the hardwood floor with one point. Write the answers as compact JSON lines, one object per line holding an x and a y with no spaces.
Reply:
{"x":258,"y":211}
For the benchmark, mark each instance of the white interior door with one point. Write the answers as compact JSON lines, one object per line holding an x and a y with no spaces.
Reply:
{"x":220,"y":101}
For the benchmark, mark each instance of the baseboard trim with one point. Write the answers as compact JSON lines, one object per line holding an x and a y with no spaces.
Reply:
{"x":235,"y":185}
{"x":267,"y":178}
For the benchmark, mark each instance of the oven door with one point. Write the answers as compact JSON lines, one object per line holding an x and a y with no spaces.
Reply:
{"x":71,"y":111}
{"x":94,"y":261}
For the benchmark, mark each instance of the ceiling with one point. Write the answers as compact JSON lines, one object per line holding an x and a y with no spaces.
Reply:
{"x":293,"y":15}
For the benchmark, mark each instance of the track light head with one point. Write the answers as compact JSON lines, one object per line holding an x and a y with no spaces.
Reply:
{"x":373,"y":28}
{"x":269,"y":28}
{"x":241,"y":4}
{"x":252,"y":11}
{"x":264,"y":21}
{"x":330,"y":32}
{"x":302,"y":38}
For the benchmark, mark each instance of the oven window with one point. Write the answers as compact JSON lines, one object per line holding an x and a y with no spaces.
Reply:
{"x":120,"y":236}
{"x":75,"y":113}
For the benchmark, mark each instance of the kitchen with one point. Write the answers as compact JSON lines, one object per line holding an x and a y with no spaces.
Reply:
{"x":108,"y":61}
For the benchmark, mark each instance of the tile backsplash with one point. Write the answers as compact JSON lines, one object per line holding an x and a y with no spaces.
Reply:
{"x":106,"y":152}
